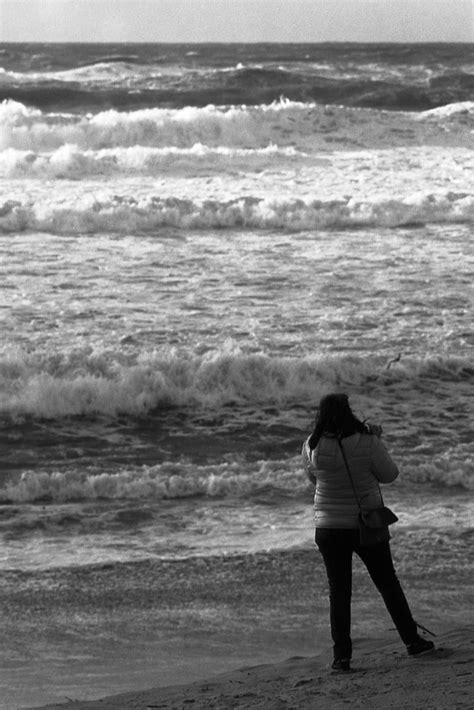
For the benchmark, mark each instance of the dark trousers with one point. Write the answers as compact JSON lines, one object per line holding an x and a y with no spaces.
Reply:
{"x":336,"y":547}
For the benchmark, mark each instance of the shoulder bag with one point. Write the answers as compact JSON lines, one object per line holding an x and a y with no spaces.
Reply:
{"x":373,"y":523}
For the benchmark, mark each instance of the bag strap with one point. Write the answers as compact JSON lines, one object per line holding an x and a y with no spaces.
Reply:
{"x":349,"y":472}
{"x":339,"y":441}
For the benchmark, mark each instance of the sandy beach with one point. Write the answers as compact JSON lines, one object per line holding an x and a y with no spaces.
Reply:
{"x":383,"y":677}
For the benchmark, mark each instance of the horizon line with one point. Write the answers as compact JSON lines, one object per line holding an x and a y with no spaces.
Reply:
{"x":247,"y":42}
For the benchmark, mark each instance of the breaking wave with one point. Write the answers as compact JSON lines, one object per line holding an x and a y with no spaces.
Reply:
{"x":71,"y":163}
{"x":165,"y":481}
{"x":123,"y":214}
{"x":86,"y":383}
{"x":181,"y":479}
{"x":31,"y":129}
{"x":281,"y":123}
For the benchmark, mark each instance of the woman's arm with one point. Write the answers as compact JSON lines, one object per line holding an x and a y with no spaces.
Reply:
{"x":382,"y":466}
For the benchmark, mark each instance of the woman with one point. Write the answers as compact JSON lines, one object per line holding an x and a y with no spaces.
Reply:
{"x":337,"y":519}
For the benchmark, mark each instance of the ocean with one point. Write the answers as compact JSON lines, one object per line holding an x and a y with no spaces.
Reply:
{"x":197,"y":243}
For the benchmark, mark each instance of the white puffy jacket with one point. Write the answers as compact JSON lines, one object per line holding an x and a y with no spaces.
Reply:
{"x":369,"y":461}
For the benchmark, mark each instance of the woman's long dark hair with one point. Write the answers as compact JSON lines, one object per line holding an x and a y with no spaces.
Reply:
{"x":335,"y":419}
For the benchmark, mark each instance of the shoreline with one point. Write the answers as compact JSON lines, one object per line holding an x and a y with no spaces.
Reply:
{"x":383,"y":677}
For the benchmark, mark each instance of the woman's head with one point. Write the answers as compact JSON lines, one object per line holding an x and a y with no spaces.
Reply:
{"x":334,"y":412}
{"x":335,"y":418}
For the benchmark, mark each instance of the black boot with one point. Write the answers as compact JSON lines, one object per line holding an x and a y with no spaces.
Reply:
{"x":419,"y":646}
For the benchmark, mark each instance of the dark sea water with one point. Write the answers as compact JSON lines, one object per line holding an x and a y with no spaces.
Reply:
{"x":77,"y":77}
{"x":196,"y":243}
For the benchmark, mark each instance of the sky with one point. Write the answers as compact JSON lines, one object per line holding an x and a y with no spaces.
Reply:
{"x":236,"y":20}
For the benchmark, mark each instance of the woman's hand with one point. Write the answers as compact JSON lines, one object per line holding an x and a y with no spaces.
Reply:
{"x":375,"y":429}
